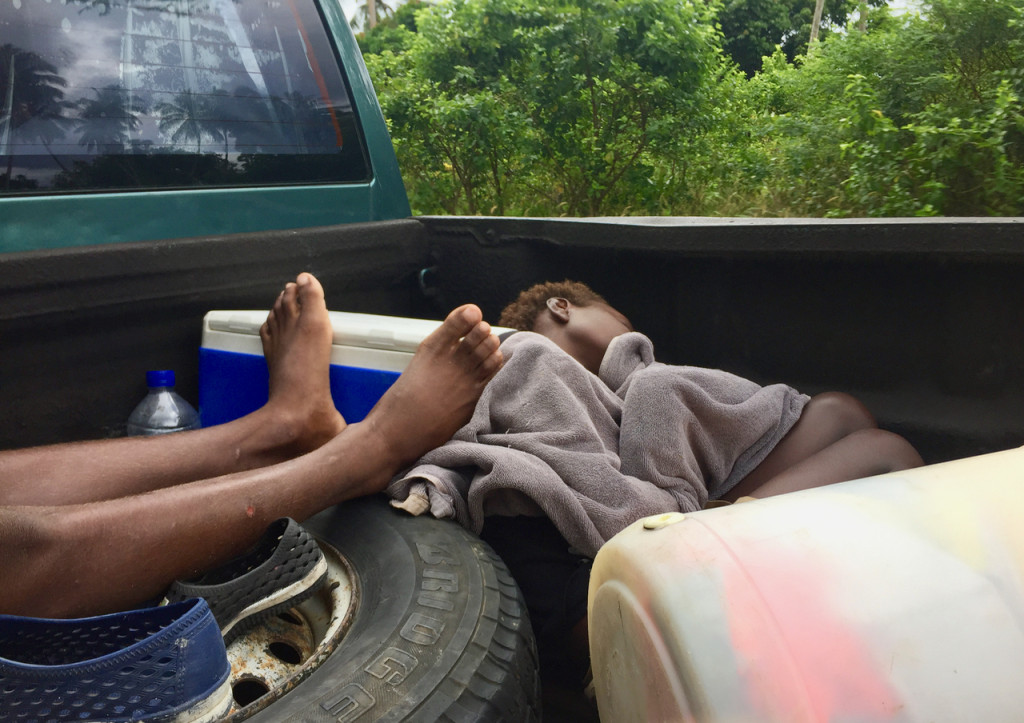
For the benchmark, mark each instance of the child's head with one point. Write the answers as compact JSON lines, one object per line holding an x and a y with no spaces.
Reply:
{"x":572,"y":315}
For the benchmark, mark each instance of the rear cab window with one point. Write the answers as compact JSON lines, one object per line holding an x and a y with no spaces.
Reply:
{"x":133,"y":97}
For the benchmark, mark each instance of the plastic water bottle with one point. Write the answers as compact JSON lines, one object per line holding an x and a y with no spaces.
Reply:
{"x":163,"y":410}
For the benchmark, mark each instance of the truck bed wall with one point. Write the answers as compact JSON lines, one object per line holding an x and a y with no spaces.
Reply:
{"x":920,"y":319}
{"x":80,"y":327}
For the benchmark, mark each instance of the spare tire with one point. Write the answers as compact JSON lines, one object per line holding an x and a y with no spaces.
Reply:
{"x":440,"y":630}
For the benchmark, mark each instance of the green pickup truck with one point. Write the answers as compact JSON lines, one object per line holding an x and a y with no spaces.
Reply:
{"x":159,"y":160}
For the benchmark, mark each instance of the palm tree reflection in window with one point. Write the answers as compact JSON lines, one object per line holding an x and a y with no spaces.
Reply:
{"x":183,"y":120}
{"x":31,"y":104}
{"x":105,"y":122}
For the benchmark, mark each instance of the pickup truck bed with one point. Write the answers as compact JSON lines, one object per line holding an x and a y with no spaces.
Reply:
{"x":919,"y":318}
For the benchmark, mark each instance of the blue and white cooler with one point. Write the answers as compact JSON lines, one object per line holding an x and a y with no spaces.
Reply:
{"x":368,"y":354}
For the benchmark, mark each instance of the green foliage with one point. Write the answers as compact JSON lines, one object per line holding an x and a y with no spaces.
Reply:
{"x":631,"y":106}
{"x":752,"y":29}
{"x":939,"y":164}
{"x":534,"y":107}
{"x":928,"y":121}
{"x":393,"y":32}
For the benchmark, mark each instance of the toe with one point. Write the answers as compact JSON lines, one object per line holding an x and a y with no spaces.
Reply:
{"x":308,"y":289}
{"x":457,"y":324}
{"x":485,"y":348}
{"x":289,"y":299}
{"x":476,"y":336}
{"x":490,"y":365}
{"x":269,"y":327}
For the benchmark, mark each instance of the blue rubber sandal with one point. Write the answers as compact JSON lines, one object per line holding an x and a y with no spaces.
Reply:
{"x":157,"y":665}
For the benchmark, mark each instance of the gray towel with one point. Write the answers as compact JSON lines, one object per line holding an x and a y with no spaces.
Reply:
{"x":596,"y":453}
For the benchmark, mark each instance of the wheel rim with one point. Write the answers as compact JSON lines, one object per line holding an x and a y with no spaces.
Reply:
{"x":275,"y":655}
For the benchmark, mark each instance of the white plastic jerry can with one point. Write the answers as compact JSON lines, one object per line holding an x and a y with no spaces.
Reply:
{"x":892,"y":598}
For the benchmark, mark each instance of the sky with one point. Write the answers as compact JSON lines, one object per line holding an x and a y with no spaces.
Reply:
{"x":349,"y":6}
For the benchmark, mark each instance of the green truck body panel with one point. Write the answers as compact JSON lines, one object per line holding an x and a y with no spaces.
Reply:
{"x":52,"y":222}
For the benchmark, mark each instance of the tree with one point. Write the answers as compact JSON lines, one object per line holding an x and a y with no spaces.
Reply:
{"x":628,"y":106}
{"x":220,"y":120}
{"x":190,"y":117}
{"x":31,"y":101}
{"x":958,"y":147}
{"x":105,"y":123}
{"x":921,"y":115}
{"x":531,"y":106}
{"x":370,"y":14}
{"x":627,"y":79}
{"x":752,"y":29}
{"x":393,"y":31}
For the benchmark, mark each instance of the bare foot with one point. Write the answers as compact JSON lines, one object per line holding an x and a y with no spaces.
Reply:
{"x":438,"y":391}
{"x":297,"y":345}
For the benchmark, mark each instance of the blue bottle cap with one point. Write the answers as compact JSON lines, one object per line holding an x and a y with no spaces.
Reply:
{"x":160,"y":378}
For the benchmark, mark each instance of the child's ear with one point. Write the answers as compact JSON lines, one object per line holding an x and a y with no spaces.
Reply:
{"x":559,"y":309}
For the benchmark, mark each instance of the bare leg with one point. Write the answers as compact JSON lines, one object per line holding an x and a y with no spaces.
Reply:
{"x":864,"y":453}
{"x":84,"y":559}
{"x":836,"y":439}
{"x":298,"y":417}
{"x":826,"y":419}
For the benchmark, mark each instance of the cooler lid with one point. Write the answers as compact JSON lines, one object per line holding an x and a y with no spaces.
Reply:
{"x":373,"y":331}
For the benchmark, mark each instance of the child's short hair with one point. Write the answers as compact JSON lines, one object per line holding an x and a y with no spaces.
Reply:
{"x":522,"y":313}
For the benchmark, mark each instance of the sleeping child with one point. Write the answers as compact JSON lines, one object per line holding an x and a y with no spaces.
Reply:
{"x":582,"y":432}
